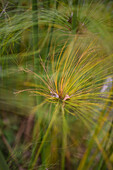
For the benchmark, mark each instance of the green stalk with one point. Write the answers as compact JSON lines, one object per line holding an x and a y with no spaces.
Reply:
{"x":46,"y":4}
{"x":45,"y":137}
{"x":66,"y":1}
{"x":35,"y":32}
{"x":64,"y":139}
{"x":51,"y":31}
{"x":3,"y":164}
{"x":35,"y":59}
{"x":74,"y":18}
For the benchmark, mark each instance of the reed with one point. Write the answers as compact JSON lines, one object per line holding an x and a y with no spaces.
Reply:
{"x":35,"y":32}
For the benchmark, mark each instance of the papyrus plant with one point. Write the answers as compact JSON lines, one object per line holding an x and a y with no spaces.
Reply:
{"x":72,"y":86}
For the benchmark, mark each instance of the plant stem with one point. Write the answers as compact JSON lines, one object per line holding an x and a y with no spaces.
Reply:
{"x":64,"y":139}
{"x":35,"y":32}
{"x":45,"y":136}
{"x":51,"y":31}
{"x":74,"y":18}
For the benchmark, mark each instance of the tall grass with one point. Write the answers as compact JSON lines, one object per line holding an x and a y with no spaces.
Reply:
{"x":71,"y":125}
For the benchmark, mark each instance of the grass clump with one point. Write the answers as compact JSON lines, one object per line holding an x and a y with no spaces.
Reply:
{"x":71,"y":86}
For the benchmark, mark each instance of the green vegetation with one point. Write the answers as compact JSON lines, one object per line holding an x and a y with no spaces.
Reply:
{"x":56,"y":85}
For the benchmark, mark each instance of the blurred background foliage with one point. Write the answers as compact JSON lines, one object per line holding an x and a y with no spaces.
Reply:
{"x":55,"y":59}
